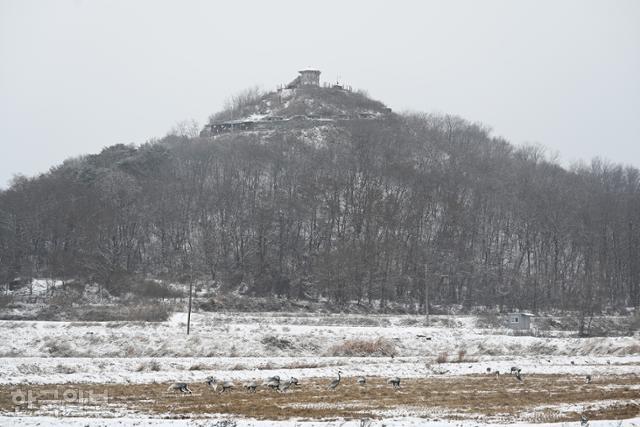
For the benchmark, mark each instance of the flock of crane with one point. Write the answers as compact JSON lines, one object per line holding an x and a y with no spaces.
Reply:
{"x":273,"y":383}
{"x":276,"y":384}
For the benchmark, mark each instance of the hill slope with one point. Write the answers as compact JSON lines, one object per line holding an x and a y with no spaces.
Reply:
{"x":345,"y":202}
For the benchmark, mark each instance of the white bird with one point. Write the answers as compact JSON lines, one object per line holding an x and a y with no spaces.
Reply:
{"x":361,"y":380}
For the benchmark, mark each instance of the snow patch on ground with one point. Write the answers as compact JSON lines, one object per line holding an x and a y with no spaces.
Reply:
{"x":60,"y":370}
{"x":251,"y":335}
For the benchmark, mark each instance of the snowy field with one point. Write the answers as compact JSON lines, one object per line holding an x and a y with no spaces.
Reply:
{"x":452,"y":356}
{"x":399,"y":422}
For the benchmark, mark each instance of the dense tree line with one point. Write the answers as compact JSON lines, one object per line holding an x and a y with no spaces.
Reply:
{"x":368,"y":210}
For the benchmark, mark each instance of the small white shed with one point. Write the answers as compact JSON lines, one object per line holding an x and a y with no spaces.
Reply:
{"x":519,"y":321}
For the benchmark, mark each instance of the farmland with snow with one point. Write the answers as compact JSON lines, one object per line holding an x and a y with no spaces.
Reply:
{"x":452,"y":369}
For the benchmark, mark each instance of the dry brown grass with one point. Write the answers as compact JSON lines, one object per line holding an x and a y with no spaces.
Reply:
{"x":357,"y":347}
{"x":199,"y":367}
{"x":302,"y":365}
{"x":462,"y":358}
{"x":148,"y":366}
{"x":238,"y":367}
{"x":442,"y":357}
{"x":496,"y":399}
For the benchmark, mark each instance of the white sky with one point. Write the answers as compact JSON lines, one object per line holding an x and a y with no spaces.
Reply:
{"x":76,"y":76}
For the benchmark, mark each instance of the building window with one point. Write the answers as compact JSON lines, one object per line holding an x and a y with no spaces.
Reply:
{"x":515,"y":320}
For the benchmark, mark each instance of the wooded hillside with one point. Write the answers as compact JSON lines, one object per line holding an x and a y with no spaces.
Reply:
{"x":362,"y":210}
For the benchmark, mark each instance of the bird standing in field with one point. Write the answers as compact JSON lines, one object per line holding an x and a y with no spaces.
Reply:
{"x":273,"y":382}
{"x":181,"y":387}
{"x":250,"y":386}
{"x":588,"y":379}
{"x":221,"y":386}
{"x":584,"y":421}
{"x":395,"y":382}
{"x":284,"y":386}
{"x":226,"y":386}
{"x":212,"y":383}
{"x":361,"y":380}
{"x":335,"y":383}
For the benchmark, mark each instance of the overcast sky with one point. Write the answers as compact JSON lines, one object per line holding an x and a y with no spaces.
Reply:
{"x":76,"y":76}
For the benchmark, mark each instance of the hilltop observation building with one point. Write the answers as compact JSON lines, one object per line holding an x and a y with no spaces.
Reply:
{"x":307,"y":77}
{"x":289,"y":105}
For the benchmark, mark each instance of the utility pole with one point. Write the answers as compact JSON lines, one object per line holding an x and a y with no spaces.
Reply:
{"x":426,"y":293}
{"x":190,"y":293}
